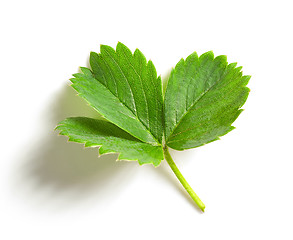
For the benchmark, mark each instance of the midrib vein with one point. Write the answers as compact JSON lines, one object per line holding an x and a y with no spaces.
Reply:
{"x":144,"y":94}
{"x":196,"y":101}
{"x":135,"y":115}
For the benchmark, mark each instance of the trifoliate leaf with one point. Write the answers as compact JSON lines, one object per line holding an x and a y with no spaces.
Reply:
{"x":110,"y":139}
{"x":125,"y":89}
{"x":203,"y":98}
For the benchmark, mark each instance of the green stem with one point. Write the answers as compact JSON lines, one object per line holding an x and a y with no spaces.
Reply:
{"x":182,"y":179}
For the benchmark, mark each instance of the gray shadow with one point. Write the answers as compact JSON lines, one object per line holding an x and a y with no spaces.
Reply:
{"x":58,"y":173}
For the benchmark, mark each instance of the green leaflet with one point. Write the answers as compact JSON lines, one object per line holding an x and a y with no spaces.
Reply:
{"x":203,"y":98}
{"x":110,"y":138}
{"x":132,"y":94}
{"x":107,"y":104}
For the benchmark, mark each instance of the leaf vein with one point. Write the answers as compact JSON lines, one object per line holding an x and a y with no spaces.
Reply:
{"x":142,"y":87}
{"x":199,"y":98}
{"x":131,"y":92}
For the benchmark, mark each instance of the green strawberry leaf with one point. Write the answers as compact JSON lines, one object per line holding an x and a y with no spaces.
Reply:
{"x":203,"y":98}
{"x":125,"y":89}
{"x":110,"y":139}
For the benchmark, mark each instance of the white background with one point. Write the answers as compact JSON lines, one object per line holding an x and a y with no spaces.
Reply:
{"x":51,"y":189}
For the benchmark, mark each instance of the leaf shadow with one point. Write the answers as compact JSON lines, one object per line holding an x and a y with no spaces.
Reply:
{"x":58,"y":173}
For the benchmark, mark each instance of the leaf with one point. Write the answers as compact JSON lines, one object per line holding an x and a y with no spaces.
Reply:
{"x":125,"y":89}
{"x":203,"y":98}
{"x":110,"y":138}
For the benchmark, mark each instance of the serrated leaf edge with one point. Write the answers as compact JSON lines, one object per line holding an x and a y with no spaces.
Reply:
{"x":100,"y":148}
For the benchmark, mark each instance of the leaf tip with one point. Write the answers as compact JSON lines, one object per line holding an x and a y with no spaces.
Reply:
{"x":105,"y":49}
{"x":232,"y":65}
{"x":207,"y":55}
{"x":192,"y":57}
{"x":93,"y":54}
{"x":222,"y":58}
